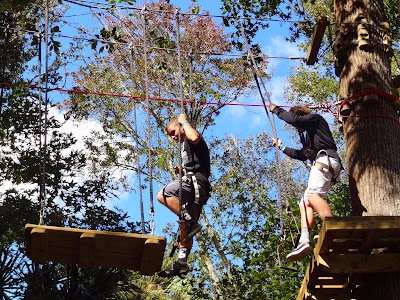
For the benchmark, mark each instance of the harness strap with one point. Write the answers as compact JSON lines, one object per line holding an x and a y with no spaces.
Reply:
{"x":195,"y":186}
{"x":321,"y":166}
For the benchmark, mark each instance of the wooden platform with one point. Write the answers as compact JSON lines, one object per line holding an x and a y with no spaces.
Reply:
{"x":346,"y":248}
{"x":91,"y":248}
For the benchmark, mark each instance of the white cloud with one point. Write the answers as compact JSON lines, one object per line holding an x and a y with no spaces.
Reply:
{"x":278,"y":46}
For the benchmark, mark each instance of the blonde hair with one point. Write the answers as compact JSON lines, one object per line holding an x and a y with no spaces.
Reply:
{"x":300,"y":110}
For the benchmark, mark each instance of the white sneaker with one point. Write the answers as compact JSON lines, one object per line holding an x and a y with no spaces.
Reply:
{"x":301,"y":250}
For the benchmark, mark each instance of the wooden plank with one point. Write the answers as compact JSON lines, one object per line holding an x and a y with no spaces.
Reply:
{"x":87,"y":250}
{"x":151,"y":262}
{"x":316,"y":40}
{"x":337,"y":231}
{"x":39,"y":246}
{"x":327,"y":278}
{"x":343,"y":253}
{"x":362,"y":223}
{"x":302,"y":295}
{"x":360,"y":263}
{"x":91,"y":248}
{"x":332,"y":293}
{"x":324,"y":243}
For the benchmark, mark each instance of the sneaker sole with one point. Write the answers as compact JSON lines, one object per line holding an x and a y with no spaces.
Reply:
{"x":191,"y":234}
{"x":300,"y":255}
{"x":172,"y":273}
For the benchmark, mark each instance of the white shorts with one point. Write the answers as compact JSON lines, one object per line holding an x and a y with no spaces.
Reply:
{"x":320,"y":181}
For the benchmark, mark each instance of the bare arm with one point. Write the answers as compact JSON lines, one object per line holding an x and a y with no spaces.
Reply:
{"x":192,"y":134}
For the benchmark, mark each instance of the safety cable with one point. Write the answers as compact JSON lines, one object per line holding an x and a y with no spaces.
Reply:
{"x":137,"y":155}
{"x":191,"y":78}
{"x":3,"y":70}
{"x":44,"y":118}
{"x":152,"y":47}
{"x":258,"y":79}
{"x":180,"y":88}
{"x":149,"y":129}
{"x":110,"y":6}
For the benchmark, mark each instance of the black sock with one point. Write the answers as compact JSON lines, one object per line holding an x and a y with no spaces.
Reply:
{"x":183,"y":254}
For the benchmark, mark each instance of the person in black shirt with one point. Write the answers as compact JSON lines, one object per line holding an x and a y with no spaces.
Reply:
{"x":194,"y":188}
{"x":320,"y":149}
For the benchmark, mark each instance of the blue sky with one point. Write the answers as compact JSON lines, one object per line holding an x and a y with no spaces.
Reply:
{"x":243,"y":121}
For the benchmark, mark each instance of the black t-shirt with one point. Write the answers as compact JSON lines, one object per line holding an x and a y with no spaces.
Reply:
{"x":319,"y":136}
{"x":196,"y":159}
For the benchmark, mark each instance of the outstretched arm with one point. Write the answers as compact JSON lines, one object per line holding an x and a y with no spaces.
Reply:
{"x":293,"y":153}
{"x":192,"y":134}
{"x":305,"y":121}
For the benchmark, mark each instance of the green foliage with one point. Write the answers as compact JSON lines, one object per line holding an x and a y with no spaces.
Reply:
{"x":311,"y":87}
{"x":71,"y":200}
{"x":11,"y":267}
{"x":204,"y":78}
{"x":242,"y":254}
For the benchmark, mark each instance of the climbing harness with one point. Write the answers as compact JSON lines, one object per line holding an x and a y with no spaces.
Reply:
{"x":190,"y":176}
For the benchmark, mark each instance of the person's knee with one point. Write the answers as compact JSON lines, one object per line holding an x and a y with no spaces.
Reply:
{"x":160,"y":196}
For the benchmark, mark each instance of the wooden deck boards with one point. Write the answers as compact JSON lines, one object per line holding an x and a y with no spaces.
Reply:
{"x":91,"y":248}
{"x":346,"y":248}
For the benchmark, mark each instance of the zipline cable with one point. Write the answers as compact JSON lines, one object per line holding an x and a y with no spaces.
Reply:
{"x":136,"y":138}
{"x":190,"y":101}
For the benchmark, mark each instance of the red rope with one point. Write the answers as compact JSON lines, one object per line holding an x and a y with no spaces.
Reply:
{"x":355,"y":97}
{"x":130,"y":96}
{"x":326,"y":107}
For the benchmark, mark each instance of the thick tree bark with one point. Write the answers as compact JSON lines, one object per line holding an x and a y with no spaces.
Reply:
{"x":372,"y":131}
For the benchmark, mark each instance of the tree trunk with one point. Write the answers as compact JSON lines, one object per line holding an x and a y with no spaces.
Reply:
{"x":371,"y":131}
{"x":218,"y":247}
{"x":208,"y":265}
